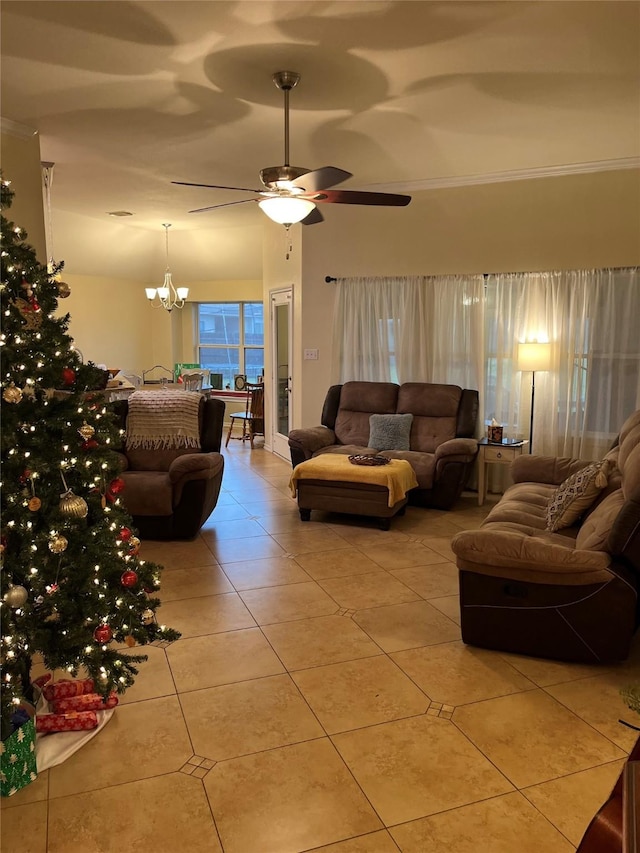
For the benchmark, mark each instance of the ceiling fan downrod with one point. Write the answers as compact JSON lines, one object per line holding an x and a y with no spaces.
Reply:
{"x":286,"y":81}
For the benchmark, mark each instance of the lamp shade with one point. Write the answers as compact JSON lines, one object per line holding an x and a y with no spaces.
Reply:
{"x":286,"y":210}
{"x":534,"y":356}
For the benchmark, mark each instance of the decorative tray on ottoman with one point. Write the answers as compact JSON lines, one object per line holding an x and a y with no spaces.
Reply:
{"x":364,"y":459}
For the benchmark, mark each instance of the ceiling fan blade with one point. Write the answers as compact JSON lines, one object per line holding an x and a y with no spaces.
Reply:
{"x":312,"y":218}
{"x":355,"y":197}
{"x":215,"y":187}
{"x":318,"y":179}
{"x":226,"y":204}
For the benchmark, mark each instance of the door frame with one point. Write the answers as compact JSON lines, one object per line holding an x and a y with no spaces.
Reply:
{"x":277,"y":298}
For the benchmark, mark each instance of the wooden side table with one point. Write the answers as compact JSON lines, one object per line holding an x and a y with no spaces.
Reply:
{"x":491,"y":453}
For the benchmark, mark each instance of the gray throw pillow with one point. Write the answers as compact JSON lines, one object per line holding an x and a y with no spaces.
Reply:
{"x":390,"y":432}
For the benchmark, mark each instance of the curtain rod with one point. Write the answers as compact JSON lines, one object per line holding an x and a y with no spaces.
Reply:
{"x":329,"y":278}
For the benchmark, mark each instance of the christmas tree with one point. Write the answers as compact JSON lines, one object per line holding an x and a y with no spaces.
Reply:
{"x":74,"y":590}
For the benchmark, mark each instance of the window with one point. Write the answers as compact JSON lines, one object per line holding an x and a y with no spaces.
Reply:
{"x":231,"y":340}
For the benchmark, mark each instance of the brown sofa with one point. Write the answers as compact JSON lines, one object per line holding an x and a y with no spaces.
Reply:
{"x":571,"y":594}
{"x":442,"y":447}
{"x":170,"y":493}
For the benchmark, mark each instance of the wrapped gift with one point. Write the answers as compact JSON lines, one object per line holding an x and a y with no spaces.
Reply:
{"x":67,"y":687}
{"x":73,"y":721}
{"x":18,"y":759}
{"x":86,"y":702}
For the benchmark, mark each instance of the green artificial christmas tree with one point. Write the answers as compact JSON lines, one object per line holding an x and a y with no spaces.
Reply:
{"x":74,"y":590}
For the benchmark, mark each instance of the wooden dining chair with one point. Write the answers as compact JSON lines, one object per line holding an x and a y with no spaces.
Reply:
{"x":192,"y":381}
{"x":252,"y":419}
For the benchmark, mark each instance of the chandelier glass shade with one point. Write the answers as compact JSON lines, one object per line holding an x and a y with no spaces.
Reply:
{"x":286,"y":210}
{"x":167,"y":296}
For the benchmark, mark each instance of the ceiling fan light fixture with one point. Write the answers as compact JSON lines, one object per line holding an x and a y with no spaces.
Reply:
{"x":286,"y":210}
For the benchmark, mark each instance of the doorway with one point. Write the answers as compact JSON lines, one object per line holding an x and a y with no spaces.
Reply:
{"x":281,"y":392}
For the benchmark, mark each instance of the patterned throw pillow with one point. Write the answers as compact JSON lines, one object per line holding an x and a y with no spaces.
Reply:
{"x":574,"y":497}
{"x":390,"y":432}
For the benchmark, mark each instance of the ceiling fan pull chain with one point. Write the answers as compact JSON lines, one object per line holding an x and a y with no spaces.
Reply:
{"x":288,"y":242}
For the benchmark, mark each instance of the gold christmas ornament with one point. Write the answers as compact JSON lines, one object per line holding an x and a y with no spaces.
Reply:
{"x":63,"y":289}
{"x":58,"y":544}
{"x":73,"y":506}
{"x":87,"y":431}
{"x":15,"y":596}
{"x":34,"y":504}
{"x":12,"y":394}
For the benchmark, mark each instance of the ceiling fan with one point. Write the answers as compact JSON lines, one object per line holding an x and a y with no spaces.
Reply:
{"x":290,"y":193}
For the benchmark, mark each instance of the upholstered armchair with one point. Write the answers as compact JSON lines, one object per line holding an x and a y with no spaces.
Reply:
{"x":172,"y":467}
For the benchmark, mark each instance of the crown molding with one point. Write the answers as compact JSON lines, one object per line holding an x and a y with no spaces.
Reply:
{"x":14,"y":128}
{"x":510,"y":175}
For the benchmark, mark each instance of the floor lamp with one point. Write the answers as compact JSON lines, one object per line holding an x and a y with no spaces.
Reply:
{"x":533,"y":356}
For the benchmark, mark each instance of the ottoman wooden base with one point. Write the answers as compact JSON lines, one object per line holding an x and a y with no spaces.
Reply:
{"x":351,"y":498}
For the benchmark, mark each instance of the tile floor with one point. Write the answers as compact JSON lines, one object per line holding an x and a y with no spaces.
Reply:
{"x":321,"y":699}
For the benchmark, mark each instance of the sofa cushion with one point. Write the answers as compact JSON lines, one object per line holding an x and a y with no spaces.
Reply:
{"x":390,"y":432}
{"x":574,"y":497}
{"x":424,"y":464}
{"x":435,"y":413}
{"x":148,"y":493}
{"x":358,"y":400}
{"x":594,"y":531}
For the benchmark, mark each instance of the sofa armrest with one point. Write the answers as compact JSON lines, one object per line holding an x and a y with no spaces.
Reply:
{"x":494,"y":551}
{"x":553,"y":470}
{"x":305,"y":442}
{"x":464,"y":449}
{"x":195,"y":466}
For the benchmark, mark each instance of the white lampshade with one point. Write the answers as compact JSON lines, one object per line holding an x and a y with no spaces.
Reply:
{"x":151,"y":292}
{"x":182,"y":292}
{"x":534,"y":356}
{"x":163,"y":292}
{"x":286,"y":210}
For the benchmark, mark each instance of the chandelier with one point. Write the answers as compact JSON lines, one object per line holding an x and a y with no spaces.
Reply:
{"x":168,"y":296}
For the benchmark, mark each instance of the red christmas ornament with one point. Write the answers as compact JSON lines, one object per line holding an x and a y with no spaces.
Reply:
{"x":102,"y":634}
{"x":129,"y":579}
{"x":34,"y":305}
{"x":68,"y":376}
{"x":116,"y":486}
{"x":125,"y":534}
{"x":91,"y":444}
{"x":25,"y":475}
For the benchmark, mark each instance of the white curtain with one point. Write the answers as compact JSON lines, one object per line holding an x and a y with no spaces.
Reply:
{"x":419,"y":329}
{"x":465,"y":330}
{"x":592,"y":320}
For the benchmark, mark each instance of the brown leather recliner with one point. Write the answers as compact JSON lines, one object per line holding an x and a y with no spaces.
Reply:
{"x":171,"y":492}
{"x":571,"y":594}
{"x":442,"y":446}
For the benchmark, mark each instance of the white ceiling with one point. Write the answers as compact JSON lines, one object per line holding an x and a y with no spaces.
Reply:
{"x":127,"y":96}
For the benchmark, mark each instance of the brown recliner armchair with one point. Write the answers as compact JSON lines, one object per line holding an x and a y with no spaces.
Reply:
{"x":171,"y":491}
{"x":442,"y":446}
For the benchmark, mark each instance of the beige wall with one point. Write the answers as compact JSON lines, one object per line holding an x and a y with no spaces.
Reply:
{"x":571,"y":222}
{"x":20,"y":159}
{"x":112,"y":322}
